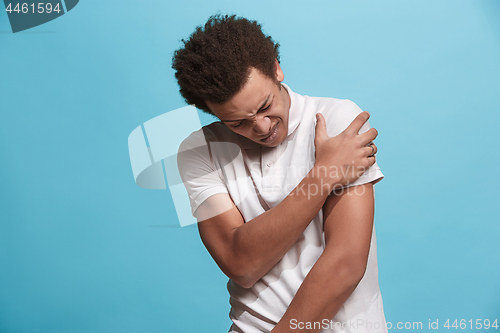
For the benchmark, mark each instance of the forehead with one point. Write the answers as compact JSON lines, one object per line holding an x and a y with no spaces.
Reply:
{"x":248,"y":100}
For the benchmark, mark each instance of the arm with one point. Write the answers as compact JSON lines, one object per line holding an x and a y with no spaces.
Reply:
{"x":348,"y":228}
{"x":247,"y":251}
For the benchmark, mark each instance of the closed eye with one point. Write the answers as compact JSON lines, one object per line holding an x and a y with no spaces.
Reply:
{"x":267,"y":107}
{"x":238,"y":124}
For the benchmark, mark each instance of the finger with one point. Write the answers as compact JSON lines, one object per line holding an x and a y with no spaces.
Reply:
{"x":371,"y":160}
{"x":356,"y":124}
{"x":368,"y":151}
{"x":320,"y":127}
{"x":368,"y":136}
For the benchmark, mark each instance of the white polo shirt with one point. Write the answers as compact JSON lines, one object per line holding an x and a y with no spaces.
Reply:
{"x":216,"y":160}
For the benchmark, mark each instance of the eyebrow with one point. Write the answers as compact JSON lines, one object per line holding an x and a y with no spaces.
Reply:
{"x":261,"y":107}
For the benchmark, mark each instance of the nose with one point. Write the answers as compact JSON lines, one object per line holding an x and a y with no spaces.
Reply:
{"x":262,"y":125}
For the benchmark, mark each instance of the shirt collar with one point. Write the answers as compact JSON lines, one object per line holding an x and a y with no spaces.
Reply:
{"x":294,"y":114}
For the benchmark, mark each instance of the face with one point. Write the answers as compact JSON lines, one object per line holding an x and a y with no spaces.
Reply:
{"x":259,"y":111}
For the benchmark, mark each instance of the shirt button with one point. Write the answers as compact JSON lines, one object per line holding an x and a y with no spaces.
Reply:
{"x":269,"y":164}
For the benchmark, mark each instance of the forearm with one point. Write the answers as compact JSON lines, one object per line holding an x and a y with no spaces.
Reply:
{"x":348,"y":227}
{"x":247,"y":251}
{"x":263,"y":241}
{"x":325,"y":289}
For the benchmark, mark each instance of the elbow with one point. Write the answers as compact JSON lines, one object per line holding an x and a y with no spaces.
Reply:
{"x":355,"y":270}
{"x":247,"y":275}
{"x":245,"y":281}
{"x":242,"y":274}
{"x":351,"y":270}
{"x":357,"y":274}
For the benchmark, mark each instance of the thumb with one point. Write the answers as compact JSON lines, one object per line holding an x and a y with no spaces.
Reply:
{"x":320,"y":127}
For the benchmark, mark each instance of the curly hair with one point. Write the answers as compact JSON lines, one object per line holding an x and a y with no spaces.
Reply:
{"x":215,"y":61}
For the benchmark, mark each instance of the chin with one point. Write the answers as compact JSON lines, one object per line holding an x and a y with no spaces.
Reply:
{"x":273,"y":144}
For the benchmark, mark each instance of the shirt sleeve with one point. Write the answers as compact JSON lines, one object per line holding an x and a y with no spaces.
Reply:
{"x":198,"y":173}
{"x":338,"y":118}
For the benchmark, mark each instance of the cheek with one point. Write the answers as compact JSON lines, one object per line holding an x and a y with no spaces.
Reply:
{"x":237,"y":131}
{"x":284,"y":131}
{"x":247,"y":133}
{"x":282,"y":114}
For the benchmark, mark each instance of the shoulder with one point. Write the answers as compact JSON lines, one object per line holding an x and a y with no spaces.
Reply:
{"x":205,"y":134}
{"x":194,"y":148}
{"x":339,"y":113}
{"x":214,"y":132}
{"x":336,"y":109}
{"x":339,"y":108}
{"x":212,"y":145}
{"x":198,"y":164}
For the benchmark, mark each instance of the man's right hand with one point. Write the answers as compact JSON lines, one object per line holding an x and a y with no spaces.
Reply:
{"x":345,"y":157}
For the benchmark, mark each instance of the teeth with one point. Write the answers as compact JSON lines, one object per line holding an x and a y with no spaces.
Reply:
{"x":275,"y":128}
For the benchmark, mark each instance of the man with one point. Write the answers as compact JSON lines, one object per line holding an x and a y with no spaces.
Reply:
{"x":285,"y":215}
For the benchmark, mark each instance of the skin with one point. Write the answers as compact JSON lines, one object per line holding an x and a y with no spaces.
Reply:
{"x":246,"y":250}
{"x":348,"y":227}
{"x":261,"y":106}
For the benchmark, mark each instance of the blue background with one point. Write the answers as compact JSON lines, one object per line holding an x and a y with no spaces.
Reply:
{"x":83,"y":249}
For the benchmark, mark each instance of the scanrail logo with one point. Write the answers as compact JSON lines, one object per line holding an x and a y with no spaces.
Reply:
{"x":28,"y":14}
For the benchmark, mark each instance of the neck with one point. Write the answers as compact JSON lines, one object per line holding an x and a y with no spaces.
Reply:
{"x":285,"y":96}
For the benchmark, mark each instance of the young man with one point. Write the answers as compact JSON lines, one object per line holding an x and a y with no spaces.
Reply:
{"x":299,"y":257}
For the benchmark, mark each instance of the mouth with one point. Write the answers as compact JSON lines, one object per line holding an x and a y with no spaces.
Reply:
{"x":272,"y":135}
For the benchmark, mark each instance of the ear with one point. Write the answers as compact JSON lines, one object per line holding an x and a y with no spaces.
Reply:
{"x":279,"y":73}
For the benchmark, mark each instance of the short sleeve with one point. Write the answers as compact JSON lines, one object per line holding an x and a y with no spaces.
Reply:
{"x":198,"y":174}
{"x":338,"y":118}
